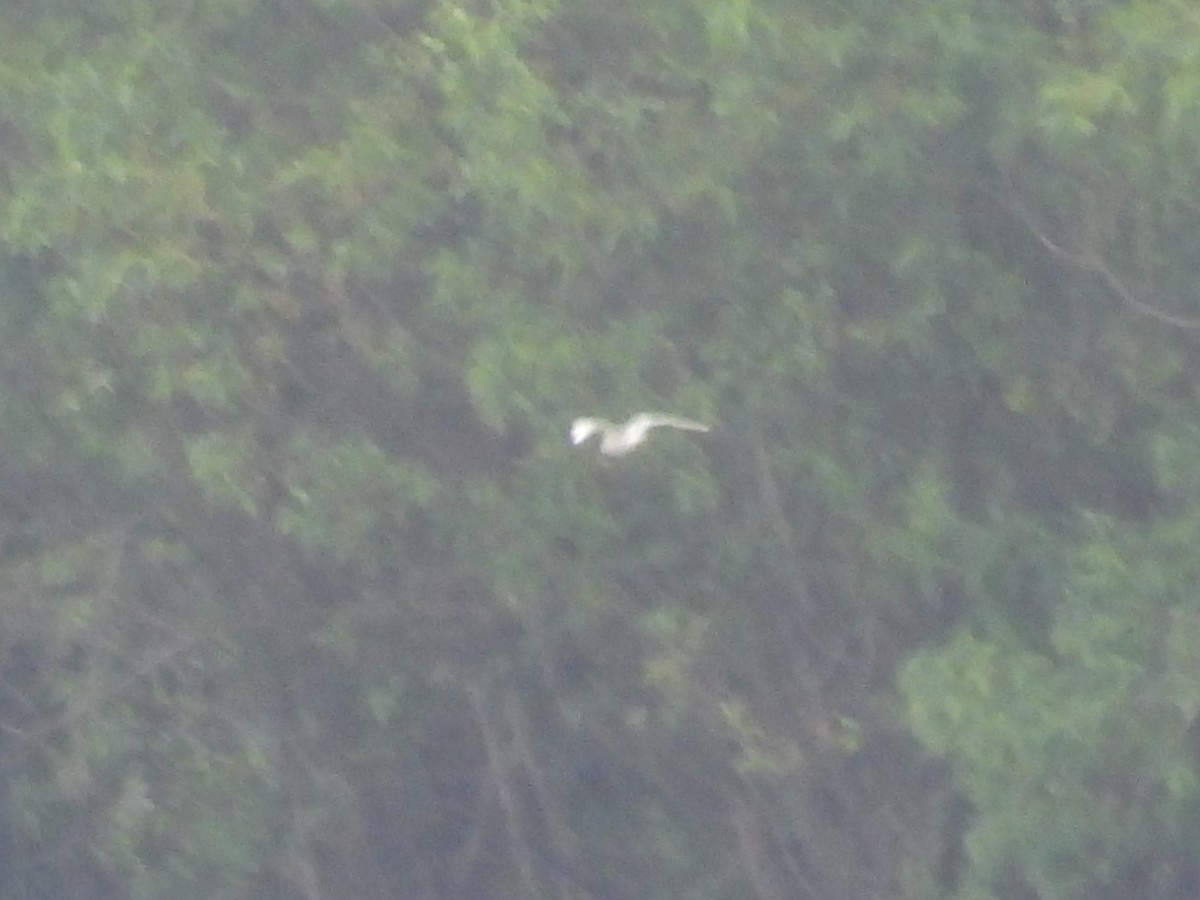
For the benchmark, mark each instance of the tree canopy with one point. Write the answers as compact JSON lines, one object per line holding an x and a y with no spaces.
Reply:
{"x":306,"y":594}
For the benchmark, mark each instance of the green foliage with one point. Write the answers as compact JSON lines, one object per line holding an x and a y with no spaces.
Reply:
{"x":306,"y":593}
{"x":349,"y":501}
{"x":1079,"y":762}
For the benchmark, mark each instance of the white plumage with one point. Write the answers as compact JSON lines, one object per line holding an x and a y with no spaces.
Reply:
{"x":617,"y":440}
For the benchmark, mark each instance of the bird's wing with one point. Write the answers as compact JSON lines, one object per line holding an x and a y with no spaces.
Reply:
{"x":654,"y":420}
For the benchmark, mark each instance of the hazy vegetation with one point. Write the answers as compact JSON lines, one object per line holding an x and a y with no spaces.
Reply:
{"x":305,"y":595}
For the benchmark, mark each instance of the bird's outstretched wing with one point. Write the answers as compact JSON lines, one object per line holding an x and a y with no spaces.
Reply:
{"x":647,"y":420}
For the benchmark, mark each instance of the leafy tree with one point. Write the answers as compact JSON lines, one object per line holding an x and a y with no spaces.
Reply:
{"x":305,"y":593}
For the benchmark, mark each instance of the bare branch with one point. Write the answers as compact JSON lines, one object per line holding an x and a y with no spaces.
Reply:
{"x":1088,"y":260}
{"x":498,"y":767}
{"x":1121,"y":290}
{"x":752,"y":850}
{"x":89,"y":705}
{"x":561,"y":835}
{"x":468,"y":855}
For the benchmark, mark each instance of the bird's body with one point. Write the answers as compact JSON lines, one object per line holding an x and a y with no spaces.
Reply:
{"x":617,"y":440}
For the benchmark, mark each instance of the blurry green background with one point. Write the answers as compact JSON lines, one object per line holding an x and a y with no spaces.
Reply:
{"x":304,"y":593}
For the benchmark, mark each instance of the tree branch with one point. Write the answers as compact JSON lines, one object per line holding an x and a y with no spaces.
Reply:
{"x":1088,"y":260}
{"x":509,"y":806}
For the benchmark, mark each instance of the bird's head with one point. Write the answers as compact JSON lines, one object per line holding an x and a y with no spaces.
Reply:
{"x":583,"y":428}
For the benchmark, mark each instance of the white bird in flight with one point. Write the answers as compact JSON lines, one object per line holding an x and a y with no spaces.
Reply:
{"x":617,"y":440}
